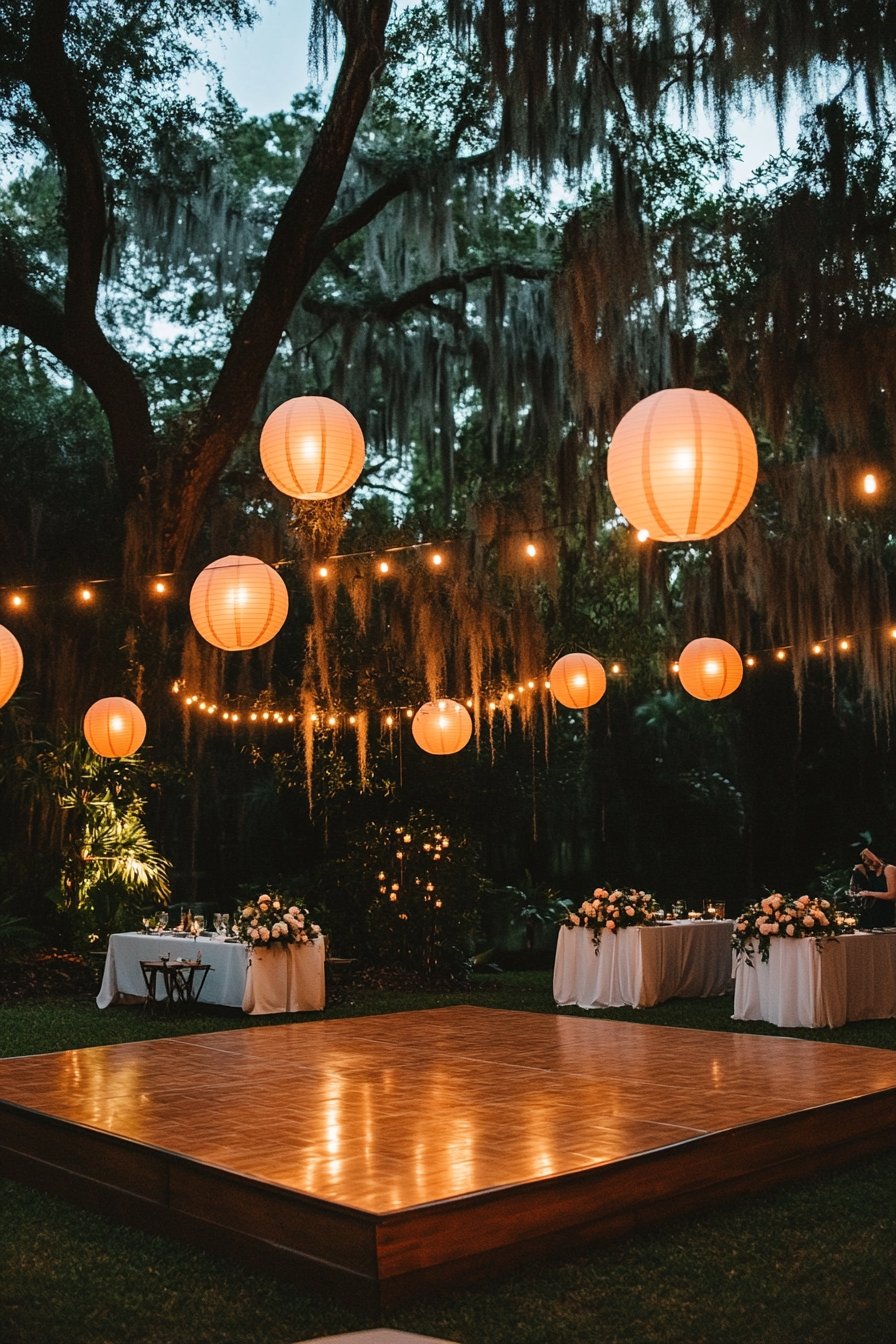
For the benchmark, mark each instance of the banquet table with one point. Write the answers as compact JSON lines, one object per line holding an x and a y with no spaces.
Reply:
{"x":644,"y":965}
{"x":819,"y":983}
{"x":295,"y":984}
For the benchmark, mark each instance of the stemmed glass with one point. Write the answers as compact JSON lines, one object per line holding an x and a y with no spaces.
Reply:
{"x":147,"y":920}
{"x":198,"y":924}
{"x":221,"y":925}
{"x":162,"y":921}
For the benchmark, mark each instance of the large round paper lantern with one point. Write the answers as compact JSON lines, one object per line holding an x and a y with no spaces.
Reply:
{"x":114,"y":727}
{"x":442,"y":727}
{"x":238,"y":602}
{"x":578,"y":680}
{"x":312,"y":448}
{"x":11,"y":663}
{"x":682,"y":465}
{"x":710,"y":669}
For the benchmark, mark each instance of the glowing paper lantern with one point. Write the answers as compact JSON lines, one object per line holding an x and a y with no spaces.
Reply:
{"x":114,"y":727}
{"x":682,"y":465}
{"x":11,"y":663}
{"x":238,"y":602}
{"x":442,"y":727}
{"x":710,"y":669}
{"x":578,"y":680}
{"x":312,"y":448}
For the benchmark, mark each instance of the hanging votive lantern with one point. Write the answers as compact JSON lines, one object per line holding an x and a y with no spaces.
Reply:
{"x":11,"y":664}
{"x":312,"y":448}
{"x":682,"y":465}
{"x":442,"y":727}
{"x":578,"y":680}
{"x":114,"y":727}
{"x":710,"y":669}
{"x":238,"y":602}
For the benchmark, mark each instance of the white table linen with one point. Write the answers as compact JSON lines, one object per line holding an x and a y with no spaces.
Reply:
{"x":806,"y":983}
{"x":225,"y":984}
{"x":642,"y":966}
{"x":286,"y":979}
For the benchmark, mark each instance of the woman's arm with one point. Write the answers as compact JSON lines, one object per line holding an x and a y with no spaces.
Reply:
{"x":890,"y":894}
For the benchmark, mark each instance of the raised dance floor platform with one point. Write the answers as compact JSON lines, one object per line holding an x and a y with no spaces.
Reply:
{"x":392,"y":1155}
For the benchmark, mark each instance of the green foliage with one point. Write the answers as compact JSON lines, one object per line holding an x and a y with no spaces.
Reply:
{"x":109,"y":865}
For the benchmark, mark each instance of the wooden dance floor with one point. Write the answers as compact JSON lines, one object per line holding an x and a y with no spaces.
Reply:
{"x":397,"y":1154}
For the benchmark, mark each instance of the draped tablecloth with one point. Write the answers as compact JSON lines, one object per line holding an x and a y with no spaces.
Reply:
{"x":225,"y":985}
{"x":645,"y":965}
{"x":286,"y":979}
{"x":818,"y":983}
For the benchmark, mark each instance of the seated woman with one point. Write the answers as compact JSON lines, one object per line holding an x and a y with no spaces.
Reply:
{"x":879,"y":893}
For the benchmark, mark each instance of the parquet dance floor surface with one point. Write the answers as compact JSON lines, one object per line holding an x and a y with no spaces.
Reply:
{"x":394,"y":1154}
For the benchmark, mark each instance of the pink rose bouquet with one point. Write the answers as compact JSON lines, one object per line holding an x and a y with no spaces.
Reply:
{"x":621,"y":908}
{"x":777,"y":916}
{"x":270,"y":920}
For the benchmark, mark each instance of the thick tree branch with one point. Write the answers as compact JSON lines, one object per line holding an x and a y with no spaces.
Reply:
{"x":421,"y":296}
{"x":73,"y":333}
{"x":291,"y":257}
{"x":360,"y":215}
{"x":83,"y":349}
{"x":54,"y":86}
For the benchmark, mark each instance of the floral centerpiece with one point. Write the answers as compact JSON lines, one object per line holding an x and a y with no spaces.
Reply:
{"x":777,"y":916}
{"x":271,"y":921}
{"x":621,"y":908}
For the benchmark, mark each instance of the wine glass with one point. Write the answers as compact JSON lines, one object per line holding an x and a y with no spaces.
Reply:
{"x":198,"y":924}
{"x":162,"y":921}
{"x":221,"y":925}
{"x":147,"y":920}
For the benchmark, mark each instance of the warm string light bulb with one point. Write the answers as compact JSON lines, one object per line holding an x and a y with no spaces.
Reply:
{"x":507,"y":699}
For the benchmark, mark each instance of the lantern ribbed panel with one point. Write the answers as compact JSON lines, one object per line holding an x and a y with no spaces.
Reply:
{"x":11,"y":664}
{"x":312,"y":448}
{"x":682,"y":465}
{"x":710,"y":669}
{"x":442,"y":727}
{"x":114,"y":727}
{"x":238,"y":602}
{"x":578,"y":680}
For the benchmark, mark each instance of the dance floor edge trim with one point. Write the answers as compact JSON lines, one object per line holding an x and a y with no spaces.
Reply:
{"x":384,"y":1259}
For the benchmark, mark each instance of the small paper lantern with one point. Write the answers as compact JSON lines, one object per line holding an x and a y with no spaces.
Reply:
{"x":238,"y":602}
{"x":710,"y":669}
{"x":682,"y":465}
{"x":11,"y":664}
{"x":578,"y":680}
{"x":442,"y":727}
{"x":114,"y":727}
{"x":312,"y":448}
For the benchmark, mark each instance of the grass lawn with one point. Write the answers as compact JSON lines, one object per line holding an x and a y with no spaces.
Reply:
{"x":811,"y":1263}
